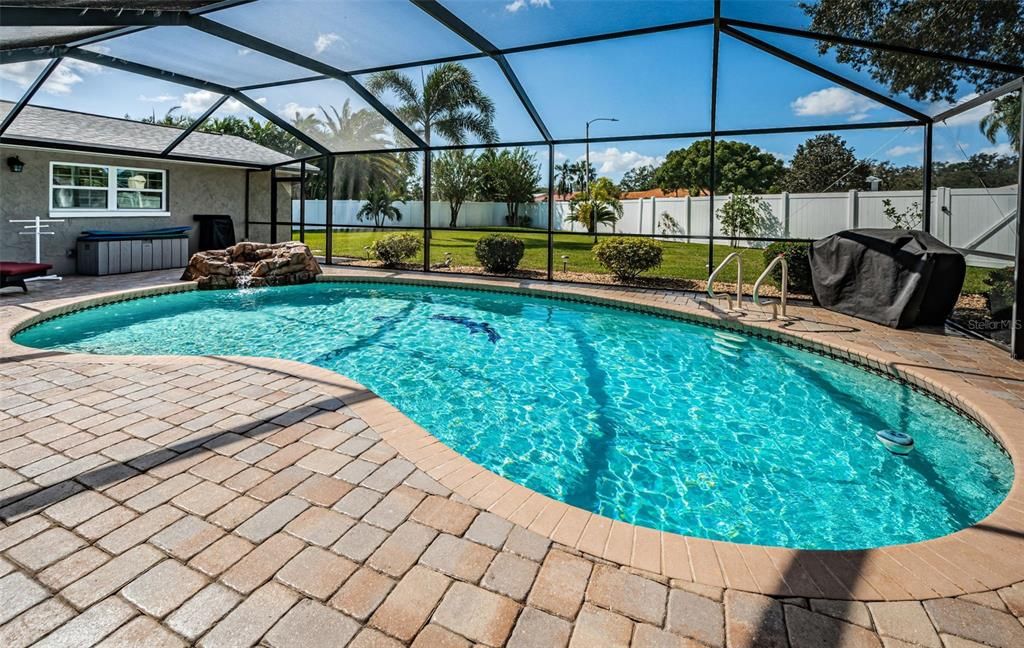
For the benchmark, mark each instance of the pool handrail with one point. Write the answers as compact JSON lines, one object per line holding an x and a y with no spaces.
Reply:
{"x":784,"y":288}
{"x":739,"y":281}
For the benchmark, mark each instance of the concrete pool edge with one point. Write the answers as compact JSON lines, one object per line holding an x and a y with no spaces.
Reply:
{"x":975,"y":559}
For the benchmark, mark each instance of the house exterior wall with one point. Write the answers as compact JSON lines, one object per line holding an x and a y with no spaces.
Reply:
{"x":191,"y":189}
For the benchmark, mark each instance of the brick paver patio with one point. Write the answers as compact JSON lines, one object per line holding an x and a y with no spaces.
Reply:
{"x":233,"y":501}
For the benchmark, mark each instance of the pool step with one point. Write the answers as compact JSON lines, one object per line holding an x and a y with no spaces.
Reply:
{"x":726,"y":351}
{"x":732,"y":337}
{"x":728,"y":344}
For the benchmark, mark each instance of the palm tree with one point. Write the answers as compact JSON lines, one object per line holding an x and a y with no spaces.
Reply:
{"x":380,"y":206}
{"x":598,"y":206}
{"x":448,"y":101}
{"x":169,"y":118}
{"x":565,"y":173}
{"x":1005,"y":115}
{"x":361,"y":130}
{"x":583,"y":174}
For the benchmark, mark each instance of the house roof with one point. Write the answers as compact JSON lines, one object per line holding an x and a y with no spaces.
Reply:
{"x":654,"y":193}
{"x":42,"y":126}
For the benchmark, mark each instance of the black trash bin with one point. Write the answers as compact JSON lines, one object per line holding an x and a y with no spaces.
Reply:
{"x":899,"y":278}
{"x":216,"y":231}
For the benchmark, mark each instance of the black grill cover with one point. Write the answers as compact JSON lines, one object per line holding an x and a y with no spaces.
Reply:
{"x":216,"y":231}
{"x":899,"y":278}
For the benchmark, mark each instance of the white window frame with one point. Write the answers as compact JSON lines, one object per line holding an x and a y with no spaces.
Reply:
{"x":112,"y":190}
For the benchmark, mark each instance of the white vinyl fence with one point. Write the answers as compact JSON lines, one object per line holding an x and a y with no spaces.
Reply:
{"x":982,"y":223}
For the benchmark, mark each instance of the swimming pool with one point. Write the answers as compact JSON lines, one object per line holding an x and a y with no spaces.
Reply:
{"x":650,"y":420}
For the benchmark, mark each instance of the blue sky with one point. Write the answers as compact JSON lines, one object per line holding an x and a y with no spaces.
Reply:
{"x":658,"y":83}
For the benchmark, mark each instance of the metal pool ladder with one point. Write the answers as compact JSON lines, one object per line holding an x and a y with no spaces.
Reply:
{"x":739,"y":281}
{"x":781,"y":304}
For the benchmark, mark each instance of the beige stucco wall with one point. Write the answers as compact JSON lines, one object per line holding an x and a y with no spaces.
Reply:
{"x":192,"y":189}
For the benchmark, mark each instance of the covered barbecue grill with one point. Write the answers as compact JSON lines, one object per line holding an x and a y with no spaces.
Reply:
{"x":899,"y":278}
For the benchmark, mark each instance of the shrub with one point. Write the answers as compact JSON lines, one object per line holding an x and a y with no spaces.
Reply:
{"x":746,"y":215}
{"x":1000,"y":293}
{"x":627,"y":257}
{"x":393,"y":248}
{"x":500,"y":253}
{"x":797,"y":260}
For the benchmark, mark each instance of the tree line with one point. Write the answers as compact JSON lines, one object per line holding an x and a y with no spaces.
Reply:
{"x":824,"y":163}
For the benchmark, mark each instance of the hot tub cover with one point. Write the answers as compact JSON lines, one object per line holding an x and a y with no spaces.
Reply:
{"x":899,"y":278}
{"x":163,"y":232}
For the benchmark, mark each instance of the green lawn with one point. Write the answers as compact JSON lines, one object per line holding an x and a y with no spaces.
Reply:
{"x":681,"y":261}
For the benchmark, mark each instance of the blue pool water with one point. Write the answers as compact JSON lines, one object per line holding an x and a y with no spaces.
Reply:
{"x":626,"y":414}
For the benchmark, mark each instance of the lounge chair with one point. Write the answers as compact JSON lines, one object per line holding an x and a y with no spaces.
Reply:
{"x":15,"y":274}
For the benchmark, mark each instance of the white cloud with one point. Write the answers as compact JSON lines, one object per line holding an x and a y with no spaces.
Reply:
{"x":516,"y":5}
{"x":897,"y":151}
{"x":324,"y":41}
{"x":972,"y":116}
{"x":612,"y":161}
{"x":559,"y":156}
{"x":67,"y":75}
{"x":291,"y":109}
{"x":1003,"y":148}
{"x":244,"y":51}
{"x":158,"y":98}
{"x":60,"y":82}
{"x":833,"y":101}
{"x":21,"y":74}
{"x":197,"y":102}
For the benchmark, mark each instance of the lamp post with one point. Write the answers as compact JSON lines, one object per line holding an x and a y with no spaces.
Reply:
{"x":586,"y":171}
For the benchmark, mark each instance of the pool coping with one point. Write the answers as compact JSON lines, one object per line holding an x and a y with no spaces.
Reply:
{"x":979,"y":558}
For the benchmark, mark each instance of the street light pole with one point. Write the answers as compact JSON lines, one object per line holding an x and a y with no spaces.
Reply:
{"x":586,"y":171}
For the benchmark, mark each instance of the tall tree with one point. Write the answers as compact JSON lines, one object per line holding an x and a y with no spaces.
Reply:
{"x":565,"y":174}
{"x":510,"y":177}
{"x":1005,"y":116}
{"x":455,"y":178}
{"x":984,"y":169}
{"x":988,"y":29}
{"x":362,"y":129}
{"x":582,"y":174}
{"x":447,"y":101}
{"x":897,"y":178}
{"x":739,"y":167}
{"x":825,"y":163}
{"x":640,"y":178}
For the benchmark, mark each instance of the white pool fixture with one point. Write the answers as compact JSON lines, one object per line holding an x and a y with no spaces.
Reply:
{"x":895,"y":442}
{"x":738,"y":306}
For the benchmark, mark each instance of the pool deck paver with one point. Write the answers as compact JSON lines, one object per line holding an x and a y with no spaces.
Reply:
{"x":239,"y":501}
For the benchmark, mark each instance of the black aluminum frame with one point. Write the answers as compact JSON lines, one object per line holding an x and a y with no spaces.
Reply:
{"x":124,"y":22}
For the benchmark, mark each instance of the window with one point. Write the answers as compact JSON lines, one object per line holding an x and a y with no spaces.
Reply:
{"x":91,"y":189}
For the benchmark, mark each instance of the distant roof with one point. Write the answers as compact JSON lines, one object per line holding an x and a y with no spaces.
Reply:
{"x":654,"y":193}
{"x":124,"y":136}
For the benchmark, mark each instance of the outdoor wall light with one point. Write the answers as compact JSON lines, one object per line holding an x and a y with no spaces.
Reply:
{"x":17,"y":166}
{"x":565,"y":262}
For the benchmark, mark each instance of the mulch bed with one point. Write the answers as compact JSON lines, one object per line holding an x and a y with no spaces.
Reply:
{"x":968,"y":307}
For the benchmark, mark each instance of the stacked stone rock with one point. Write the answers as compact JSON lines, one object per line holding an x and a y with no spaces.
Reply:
{"x":255,"y":264}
